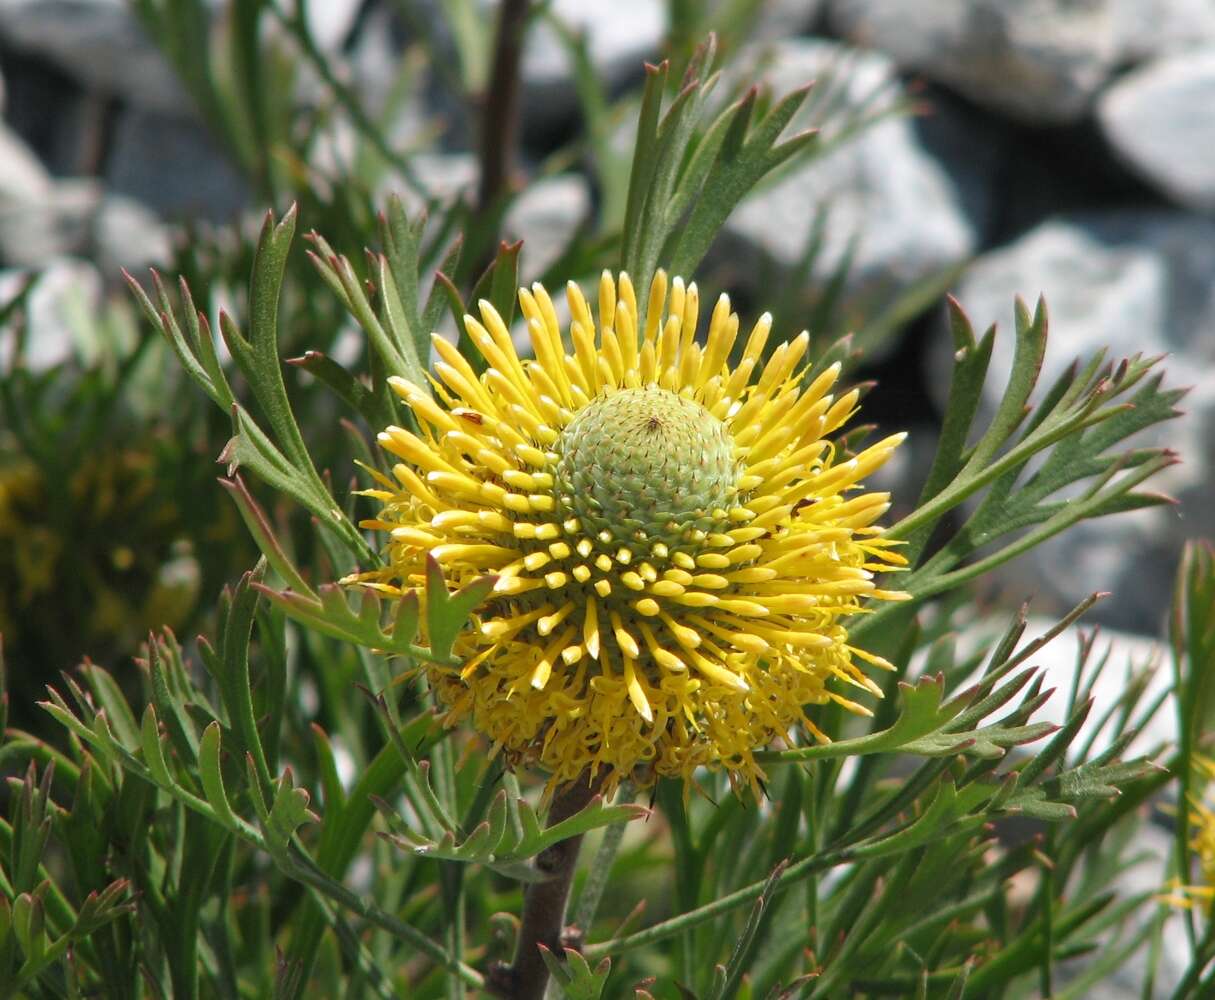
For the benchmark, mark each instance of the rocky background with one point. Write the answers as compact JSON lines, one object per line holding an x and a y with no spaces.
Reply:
{"x":1061,"y":147}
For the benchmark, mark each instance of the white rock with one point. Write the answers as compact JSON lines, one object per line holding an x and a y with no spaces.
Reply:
{"x":546,"y":216}
{"x":446,"y":176}
{"x":329,"y":22}
{"x":881,"y":188}
{"x":62,"y":303}
{"x":1035,"y":60}
{"x":128,"y":235}
{"x":620,"y":36}
{"x":22,"y":175}
{"x":1135,"y":282}
{"x":1150,"y":28}
{"x":776,"y":19}
{"x":57,"y":223}
{"x":1160,"y":119}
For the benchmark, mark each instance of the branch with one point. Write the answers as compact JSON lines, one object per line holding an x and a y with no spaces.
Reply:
{"x":500,"y":110}
{"x":544,"y":903}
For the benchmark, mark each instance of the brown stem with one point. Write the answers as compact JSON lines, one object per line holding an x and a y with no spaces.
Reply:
{"x":500,"y":111}
{"x":544,"y":902}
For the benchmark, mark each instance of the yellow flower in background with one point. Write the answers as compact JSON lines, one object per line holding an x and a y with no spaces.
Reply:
{"x":675,"y":546}
{"x":1202,"y":843}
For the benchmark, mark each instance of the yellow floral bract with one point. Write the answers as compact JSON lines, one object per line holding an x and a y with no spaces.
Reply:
{"x":675,"y":566}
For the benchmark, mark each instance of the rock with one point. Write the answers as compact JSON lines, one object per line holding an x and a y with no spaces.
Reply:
{"x":103,"y":45}
{"x":777,"y":19}
{"x":97,"y":42}
{"x":1151,"y":28}
{"x":620,"y":36}
{"x":1135,"y":282}
{"x":77,"y":218}
{"x":446,"y":176}
{"x":66,"y":293}
{"x":1039,"y":61}
{"x":881,"y":188}
{"x":172,"y":165}
{"x":56,"y":223}
{"x":1160,"y":119}
{"x":22,"y":175}
{"x":126,"y":235}
{"x":42,"y":218}
{"x":546,"y":216}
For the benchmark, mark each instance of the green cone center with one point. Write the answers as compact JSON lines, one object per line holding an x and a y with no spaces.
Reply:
{"x":646,"y":464}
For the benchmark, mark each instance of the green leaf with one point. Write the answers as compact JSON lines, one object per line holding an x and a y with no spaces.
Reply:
{"x":211,"y":774}
{"x":499,"y":285}
{"x":726,"y":979}
{"x":574,"y":978}
{"x":447,"y":613}
{"x":153,"y":755}
{"x":922,"y":714}
{"x":345,"y":386}
{"x":496,"y":844}
{"x":1073,"y":434}
{"x":329,"y":609}
{"x":288,"y":812}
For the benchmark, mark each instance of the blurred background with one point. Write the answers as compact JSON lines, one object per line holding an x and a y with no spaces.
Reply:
{"x":985,"y":148}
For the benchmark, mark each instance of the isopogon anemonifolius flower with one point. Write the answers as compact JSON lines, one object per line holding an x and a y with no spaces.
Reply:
{"x":677,"y":541}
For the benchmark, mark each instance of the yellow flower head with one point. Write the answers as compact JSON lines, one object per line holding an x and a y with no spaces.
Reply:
{"x":675,"y":551}
{"x":1202,"y":842}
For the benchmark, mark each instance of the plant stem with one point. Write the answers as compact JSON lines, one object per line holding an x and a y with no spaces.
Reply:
{"x":544,"y":902}
{"x":597,"y":878}
{"x":500,"y":116}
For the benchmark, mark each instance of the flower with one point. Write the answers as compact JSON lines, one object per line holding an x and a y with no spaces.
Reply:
{"x":674,"y":550}
{"x":1202,"y":843}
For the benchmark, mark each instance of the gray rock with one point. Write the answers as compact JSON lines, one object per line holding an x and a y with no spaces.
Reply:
{"x":76,"y":217}
{"x":22,"y":175}
{"x":97,"y":42}
{"x":42,"y":218}
{"x":1040,"y":61}
{"x":67,"y":294}
{"x":546,"y":216}
{"x":446,"y":176}
{"x":777,"y":19}
{"x":1135,"y":282}
{"x":56,"y":223}
{"x":126,"y":235}
{"x":620,"y":35}
{"x":1160,"y":119}
{"x":171,"y":164}
{"x":881,"y":188}
{"x":102,"y":44}
{"x":1151,"y":28}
